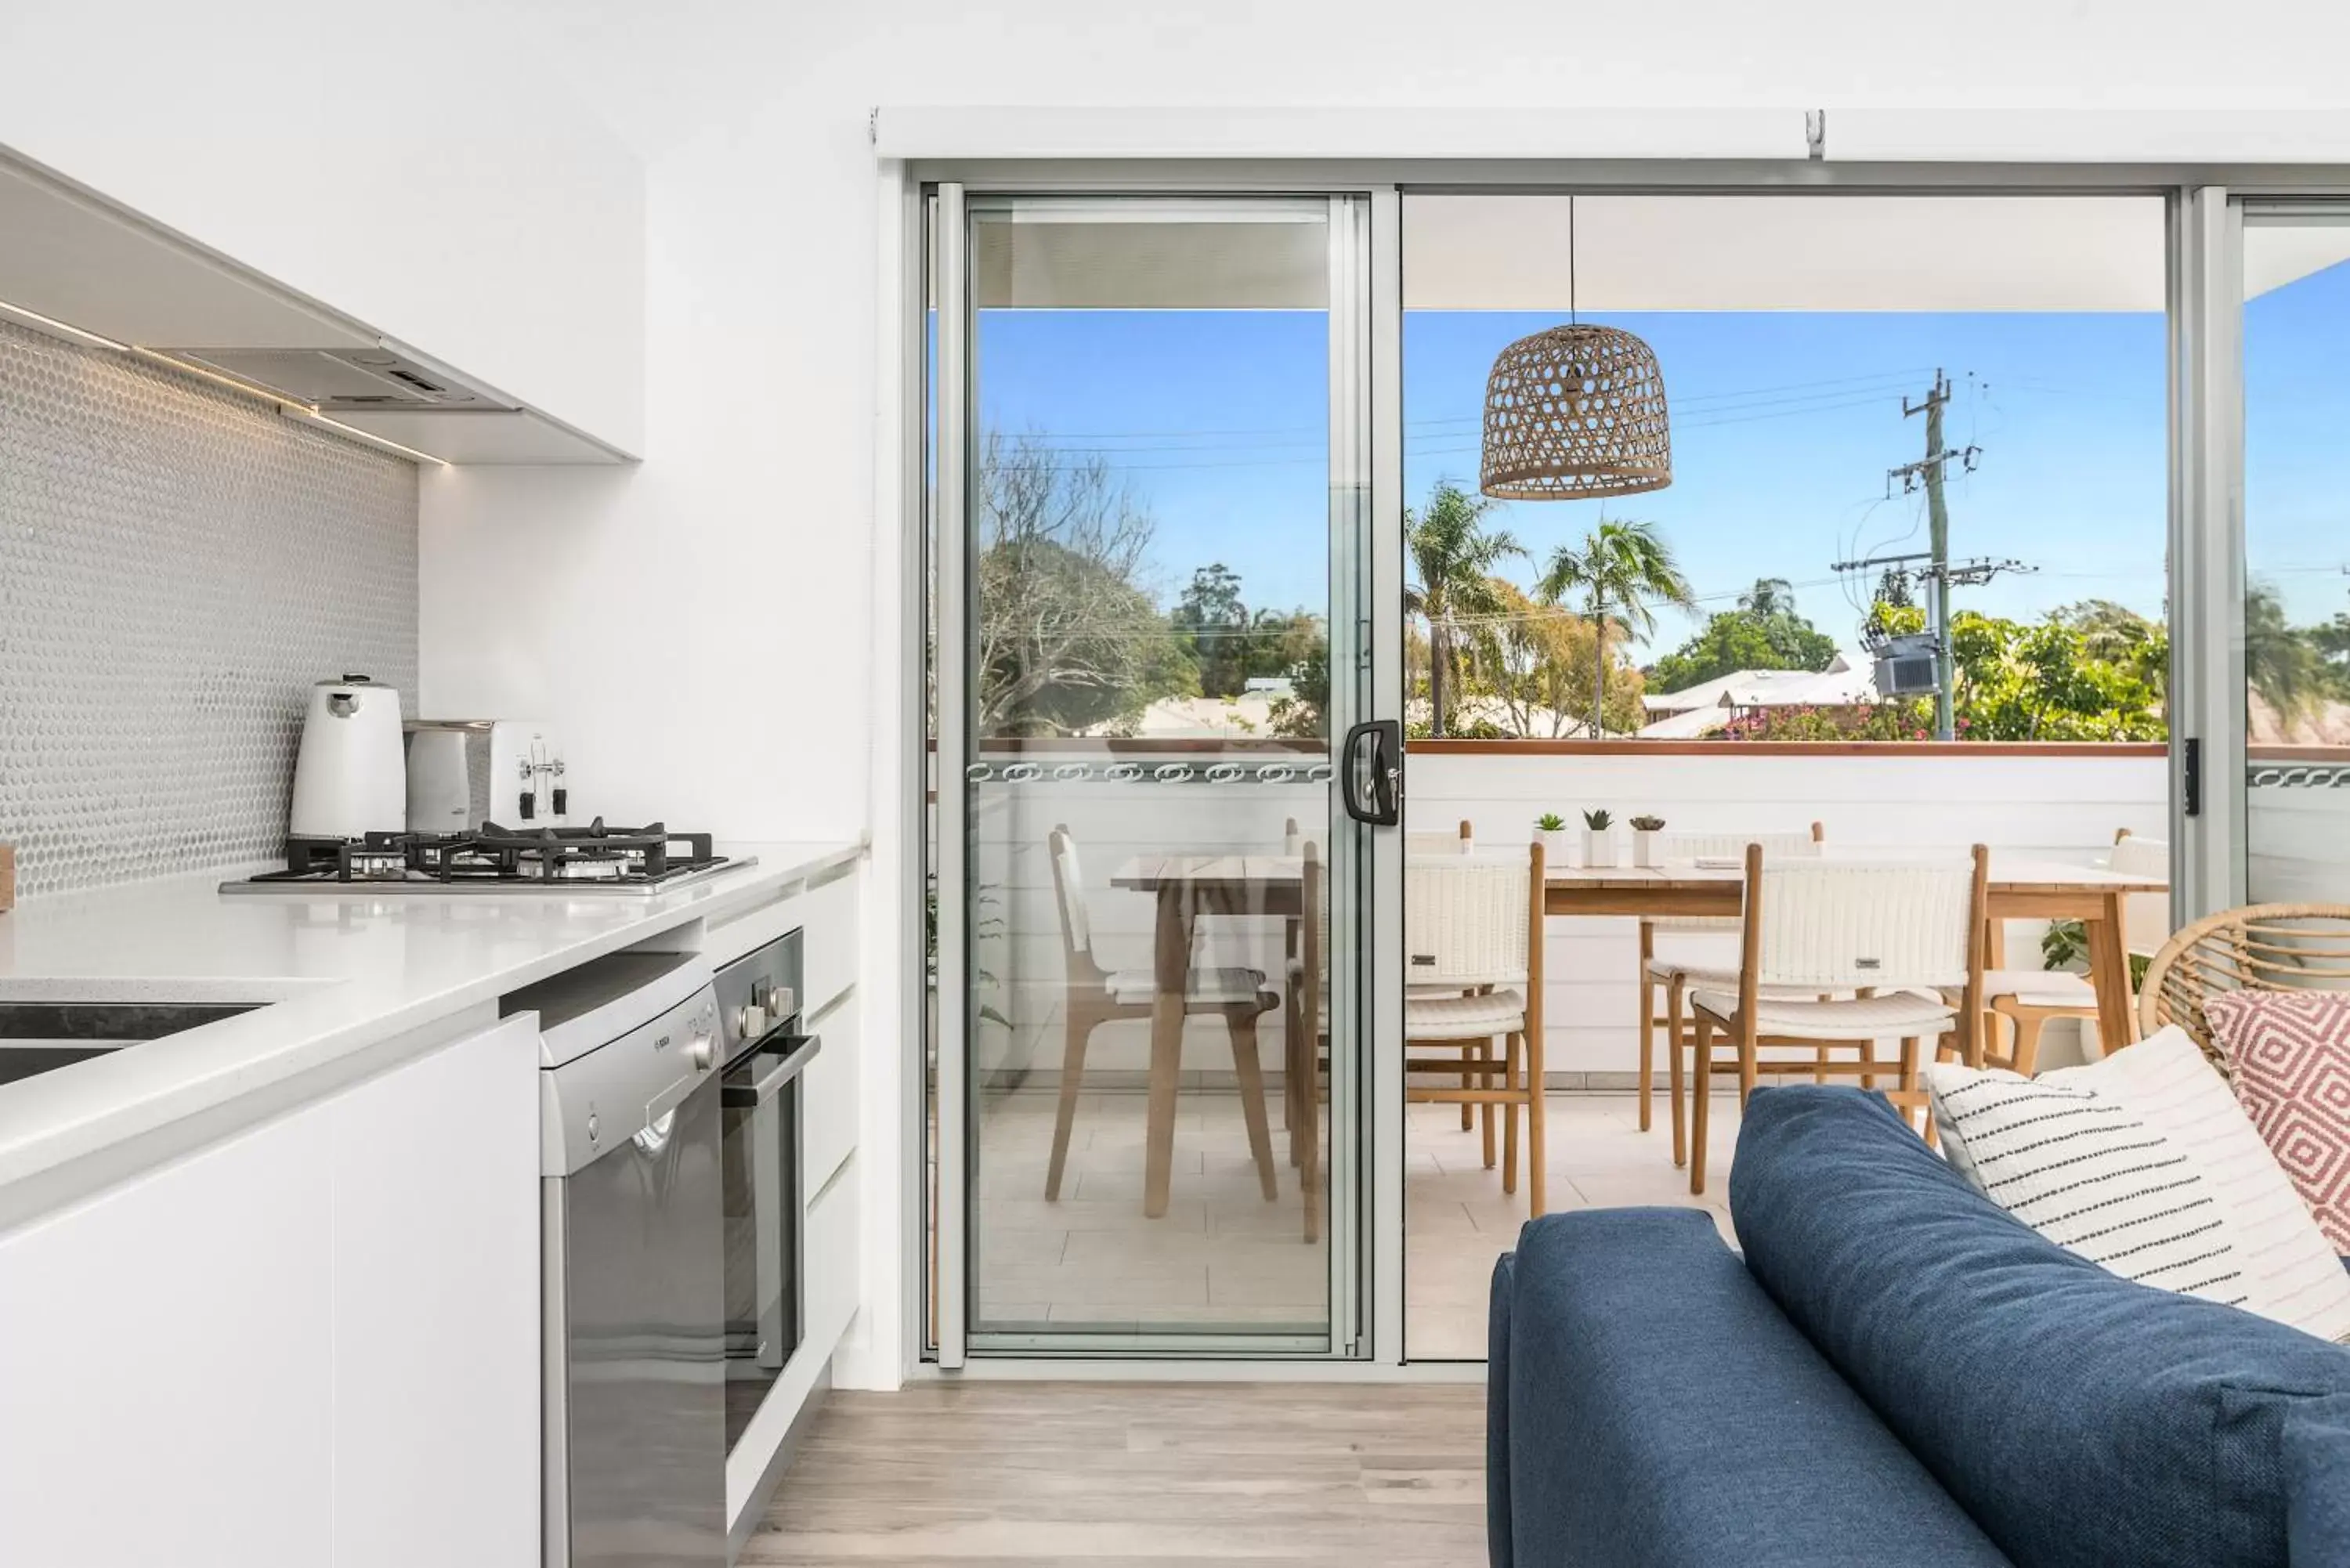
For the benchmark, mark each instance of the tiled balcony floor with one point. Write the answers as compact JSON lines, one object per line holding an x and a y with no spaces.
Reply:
{"x":1222,"y":1255}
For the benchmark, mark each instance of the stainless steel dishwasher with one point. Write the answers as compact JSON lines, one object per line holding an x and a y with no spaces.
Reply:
{"x":634,"y":1467}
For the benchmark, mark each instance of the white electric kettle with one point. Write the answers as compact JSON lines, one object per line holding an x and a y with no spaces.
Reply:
{"x":350,"y":776}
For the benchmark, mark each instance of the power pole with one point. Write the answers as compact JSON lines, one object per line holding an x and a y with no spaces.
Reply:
{"x":1929,"y":469}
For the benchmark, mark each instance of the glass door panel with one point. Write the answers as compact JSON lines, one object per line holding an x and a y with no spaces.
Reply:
{"x":2296,"y":616}
{"x":1160,"y":494}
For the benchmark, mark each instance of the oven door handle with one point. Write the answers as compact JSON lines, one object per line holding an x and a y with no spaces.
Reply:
{"x":794,"y":1052}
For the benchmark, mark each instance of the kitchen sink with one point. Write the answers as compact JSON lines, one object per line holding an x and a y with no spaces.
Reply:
{"x":37,"y":1037}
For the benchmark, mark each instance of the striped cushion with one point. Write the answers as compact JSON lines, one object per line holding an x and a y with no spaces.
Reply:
{"x":2085,"y":1171}
{"x":2186,"y":1110}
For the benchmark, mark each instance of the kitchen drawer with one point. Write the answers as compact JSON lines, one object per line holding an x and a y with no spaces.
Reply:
{"x":830,"y":1118}
{"x":832,"y":1261}
{"x":827,"y":916}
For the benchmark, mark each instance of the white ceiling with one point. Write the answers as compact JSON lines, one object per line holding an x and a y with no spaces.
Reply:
{"x":1774,"y":252}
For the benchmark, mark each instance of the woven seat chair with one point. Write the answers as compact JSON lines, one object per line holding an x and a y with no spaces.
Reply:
{"x":1472,"y":926}
{"x":1856,"y":952}
{"x":2261,"y":947}
{"x":1666,"y":979}
{"x":1097,"y":996}
{"x":2025,"y":1001}
{"x":1417,"y":845}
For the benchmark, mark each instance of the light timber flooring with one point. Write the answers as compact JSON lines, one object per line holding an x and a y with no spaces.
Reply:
{"x":1222,"y":1255}
{"x":1055,"y":1475}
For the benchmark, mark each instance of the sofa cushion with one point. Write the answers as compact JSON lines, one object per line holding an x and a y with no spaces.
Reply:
{"x":2290,"y":1054}
{"x":1649,"y":1405}
{"x":2079,"y":1418}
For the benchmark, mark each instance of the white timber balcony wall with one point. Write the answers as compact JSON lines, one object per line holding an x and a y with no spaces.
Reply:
{"x":2065,"y":806}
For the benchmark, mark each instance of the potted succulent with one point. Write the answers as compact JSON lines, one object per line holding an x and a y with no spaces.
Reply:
{"x":1598,"y":837}
{"x":1647,"y":848}
{"x":1551,"y":828}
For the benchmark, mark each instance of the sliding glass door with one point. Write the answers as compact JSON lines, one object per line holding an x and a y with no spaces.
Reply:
{"x":1149,"y":474}
{"x":2296,"y":553}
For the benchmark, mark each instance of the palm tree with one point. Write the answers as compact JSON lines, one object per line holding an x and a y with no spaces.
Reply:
{"x":1621,"y":567}
{"x":1454,"y":558}
{"x":1769,"y":597}
{"x":2279,"y":662}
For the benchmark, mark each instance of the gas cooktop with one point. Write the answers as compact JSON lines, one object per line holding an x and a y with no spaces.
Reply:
{"x":495,"y":859}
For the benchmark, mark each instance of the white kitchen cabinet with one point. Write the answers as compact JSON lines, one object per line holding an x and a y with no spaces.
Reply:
{"x":435,"y":1308}
{"x":314,"y":1342}
{"x":832,"y":1261}
{"x":829,"y":1088}
{"x":164,"y":1394}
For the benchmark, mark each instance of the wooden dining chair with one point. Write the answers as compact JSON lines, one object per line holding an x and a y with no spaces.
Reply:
{"x":1879,"y":941}
{"x":2027,"y":1001}
{"x":1473,"y":944}
{"x":1463,"y":843}
{"x":1095,"y":996}
{"x":1303,"y":1056}
{"x":1666,"y":978}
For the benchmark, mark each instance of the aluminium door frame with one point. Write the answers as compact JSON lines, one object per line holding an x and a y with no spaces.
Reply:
{"x":1362,"y":347}
{"x":2203,"y":528}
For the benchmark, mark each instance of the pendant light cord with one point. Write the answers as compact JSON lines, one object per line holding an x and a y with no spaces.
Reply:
{"x":1572,"y":319}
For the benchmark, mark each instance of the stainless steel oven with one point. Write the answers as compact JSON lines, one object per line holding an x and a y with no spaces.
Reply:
{"x":764,"y":1050}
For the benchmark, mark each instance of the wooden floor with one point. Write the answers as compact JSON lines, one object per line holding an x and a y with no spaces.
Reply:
{"x":1058,"y":1475}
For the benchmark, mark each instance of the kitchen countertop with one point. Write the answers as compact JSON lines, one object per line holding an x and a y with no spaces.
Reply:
{"x":347,"y":975}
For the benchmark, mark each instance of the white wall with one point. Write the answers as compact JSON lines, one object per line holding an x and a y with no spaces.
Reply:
{"x":417,"y":166}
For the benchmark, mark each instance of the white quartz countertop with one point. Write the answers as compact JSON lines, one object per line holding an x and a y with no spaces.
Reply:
{"x":344,"y":974}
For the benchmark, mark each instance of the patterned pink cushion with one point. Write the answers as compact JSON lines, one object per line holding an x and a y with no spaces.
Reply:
{"x":2290,"y":1052}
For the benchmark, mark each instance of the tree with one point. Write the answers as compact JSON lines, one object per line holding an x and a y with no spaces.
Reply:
{"x":1068,"y":638}
{"x":2280,"y":662}
{"x":1763,"y":633}
{"x":1621,"y":567}
{"x":2115,"y":634}
{"x":1210,"y":621}
{"x":1769,"y":598}
{"x":1454,"y":558}
{"x":1535,"y":668}
{"x":2041,"y":681}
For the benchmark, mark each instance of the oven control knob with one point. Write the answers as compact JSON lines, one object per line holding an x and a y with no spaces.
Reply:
{"x":751,"y":1022}
{"x":703,"y":1052}
{"x":591,"y":1127}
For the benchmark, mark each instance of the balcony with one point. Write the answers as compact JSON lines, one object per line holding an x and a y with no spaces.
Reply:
{"x":1224,"y":1255}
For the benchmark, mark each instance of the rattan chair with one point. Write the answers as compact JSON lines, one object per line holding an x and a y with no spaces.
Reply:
{"x":1666,"y":979}
{"x":1874,"y":943}
{"x":2261,"y":947}
{"x":1097,"y":996}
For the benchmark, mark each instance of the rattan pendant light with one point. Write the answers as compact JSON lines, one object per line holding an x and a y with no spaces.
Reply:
{"x":1575,"y":412}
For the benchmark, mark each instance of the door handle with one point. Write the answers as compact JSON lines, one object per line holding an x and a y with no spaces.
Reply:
{"x":1370,"y":773}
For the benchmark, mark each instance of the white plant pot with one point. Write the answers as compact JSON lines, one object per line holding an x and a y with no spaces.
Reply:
{"x":1598,"y":846}
{"x":1553,"y":843}
{"x":1647,"y":850}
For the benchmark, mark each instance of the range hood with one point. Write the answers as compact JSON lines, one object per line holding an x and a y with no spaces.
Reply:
{"x":342,"y":381}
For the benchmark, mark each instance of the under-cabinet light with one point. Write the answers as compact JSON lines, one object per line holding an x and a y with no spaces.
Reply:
{"x":302,"y":411}
{"x":292,"y":407}
{"x":50,"y":323}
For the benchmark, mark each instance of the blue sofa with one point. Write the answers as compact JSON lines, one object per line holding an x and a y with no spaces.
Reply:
{"x":1896,"y":1372}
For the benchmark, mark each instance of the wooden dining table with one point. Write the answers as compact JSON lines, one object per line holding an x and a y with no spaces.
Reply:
{"x":1186,"y":887}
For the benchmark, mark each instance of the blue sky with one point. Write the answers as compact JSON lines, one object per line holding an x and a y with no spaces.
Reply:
{"x":1783,"y":426}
